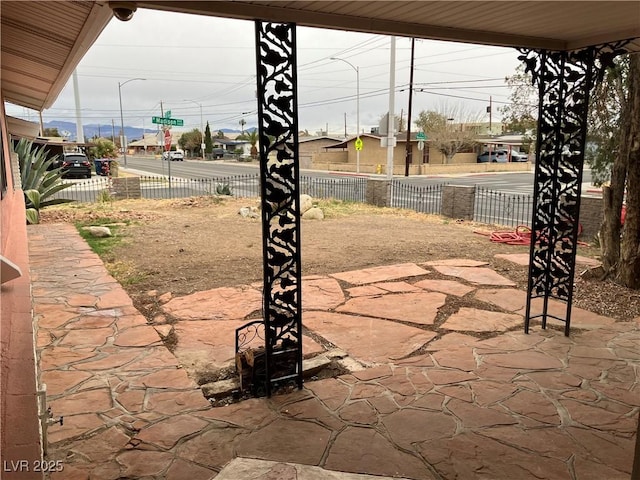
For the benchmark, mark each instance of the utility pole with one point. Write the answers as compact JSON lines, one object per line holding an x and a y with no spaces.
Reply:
{"x":345,"y":124}
{"x":392,"y":117}
{"x":409,"y":157}
{"x":490,"y":111}
{"x":113,"y":131}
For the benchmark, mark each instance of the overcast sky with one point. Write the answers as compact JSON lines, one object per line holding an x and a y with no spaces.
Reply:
{"x":190,"y":60}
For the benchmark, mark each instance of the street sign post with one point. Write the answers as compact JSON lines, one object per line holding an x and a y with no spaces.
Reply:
{"x":421,"y":136}
{"x":174,"y":122}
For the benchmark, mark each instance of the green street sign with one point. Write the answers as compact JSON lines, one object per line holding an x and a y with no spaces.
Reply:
{"x":421,"y":136}
{"x":167,"y":114}
{"x":176,"y":122}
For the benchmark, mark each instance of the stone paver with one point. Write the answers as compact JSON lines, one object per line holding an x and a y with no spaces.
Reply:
{"x":321,"y":294}
{"x":478,"y":275}
{"x":225,"y":303}
{"x":498,"y":405}
{"x":420,"y":308}
{"x":380,"y":274}
{"x":516,"y":301}
{"x":455,"y":262}
{"x":475,"y":320}
{"x":450,"y":287}
{"x":367,"y":339}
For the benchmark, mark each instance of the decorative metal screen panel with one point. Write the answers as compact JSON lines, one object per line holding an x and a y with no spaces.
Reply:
{"x":565,"y":80}
{"x":280,"y":194}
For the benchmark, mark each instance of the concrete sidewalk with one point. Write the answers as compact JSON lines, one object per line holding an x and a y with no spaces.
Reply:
{"x":483,"y":400}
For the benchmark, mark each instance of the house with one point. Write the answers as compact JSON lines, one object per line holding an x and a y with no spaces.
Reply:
{"x":342,"y":156}
{"x":233,"y":145}
{"x":147,"y":145}
{"x":311,"y":146}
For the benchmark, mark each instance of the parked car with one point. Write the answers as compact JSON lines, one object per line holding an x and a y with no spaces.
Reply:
{"x":519,"y":156}
{"x":219,"y":152}
{"x":497,"y":156}
{"x":176,"y":155}
{"x":76,"y":164}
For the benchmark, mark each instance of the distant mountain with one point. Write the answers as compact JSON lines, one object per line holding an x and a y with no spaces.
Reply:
{"x":106,"y":130}
{"x":96,"y":130}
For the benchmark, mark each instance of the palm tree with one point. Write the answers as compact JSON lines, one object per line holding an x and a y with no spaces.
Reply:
{"x":253,"y":140}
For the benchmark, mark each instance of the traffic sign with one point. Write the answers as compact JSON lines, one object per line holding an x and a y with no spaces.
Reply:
{"x":167,"y":140}
{"x":421,"y":145}
{"x":421,"y":136}
{"x":359,"y":144}
{"x":176,"y":122}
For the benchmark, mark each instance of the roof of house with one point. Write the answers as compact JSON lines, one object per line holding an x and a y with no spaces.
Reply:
{"x":315,"y":139}
{"x":149,"y":140}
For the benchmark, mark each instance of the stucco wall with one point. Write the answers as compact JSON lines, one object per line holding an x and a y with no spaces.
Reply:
{"x":20,"y":437}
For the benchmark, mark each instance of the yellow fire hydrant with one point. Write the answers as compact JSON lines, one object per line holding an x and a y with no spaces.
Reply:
{"x":378,"y":169}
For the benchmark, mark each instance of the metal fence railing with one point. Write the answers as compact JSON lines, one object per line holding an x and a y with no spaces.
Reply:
{"x":421,"y":198}
{"x":177,"y":187}
{"x":162,"y":187}
{"x":499,"y":208}
{"x":351,"y":189}
{"x":490,"y":206}
{"x":87,"y":191}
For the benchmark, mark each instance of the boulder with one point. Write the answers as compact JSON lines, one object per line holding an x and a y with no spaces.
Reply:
{"x":98,"y":232}
{"x":306,"y":202}
{"x":314,"y":213}
{"x":248,"y":212}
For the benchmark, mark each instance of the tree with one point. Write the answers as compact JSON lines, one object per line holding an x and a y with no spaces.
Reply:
{"x":621,"y":245}
{"x":520,"y":115}
{"x":220,"y":134}
{"x":606,"y":104}
{"x":253,"y":137}
{"x":51,"y":132}
{"x":208,"y":141}
{"x":444,"y":135}
{"x":191,"y":141}
{"x":103,"y":148}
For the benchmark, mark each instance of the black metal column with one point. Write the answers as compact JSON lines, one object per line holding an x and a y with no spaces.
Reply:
{"x":280,"y":199}
{"x":565,"y":80}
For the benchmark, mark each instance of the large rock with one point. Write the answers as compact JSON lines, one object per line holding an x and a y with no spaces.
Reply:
{"x":99,"y":232}
{"x":314,"y":213}
{"x":248,"y":212}
{"x":306,"y":202}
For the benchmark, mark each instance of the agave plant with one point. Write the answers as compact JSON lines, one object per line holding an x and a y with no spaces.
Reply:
{"x":39,"y":183}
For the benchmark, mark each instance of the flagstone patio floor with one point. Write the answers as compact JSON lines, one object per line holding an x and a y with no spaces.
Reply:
{"x":480,"y":399}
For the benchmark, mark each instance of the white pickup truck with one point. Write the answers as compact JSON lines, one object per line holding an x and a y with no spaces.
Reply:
{"x":177,"y":155}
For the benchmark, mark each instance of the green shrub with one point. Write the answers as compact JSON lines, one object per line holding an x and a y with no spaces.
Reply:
{"x":39,"y":181}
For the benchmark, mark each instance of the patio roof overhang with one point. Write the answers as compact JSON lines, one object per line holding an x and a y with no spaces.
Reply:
{"x":551,"y":25}
{"x":42,"y":42}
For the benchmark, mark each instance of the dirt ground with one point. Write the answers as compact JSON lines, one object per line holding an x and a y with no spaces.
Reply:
{"x":188,"y":245}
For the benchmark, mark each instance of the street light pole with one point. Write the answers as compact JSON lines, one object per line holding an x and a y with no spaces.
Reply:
{"x":123,"y":140}
{"x":202,"y":145}
{"x":357,"y":107}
